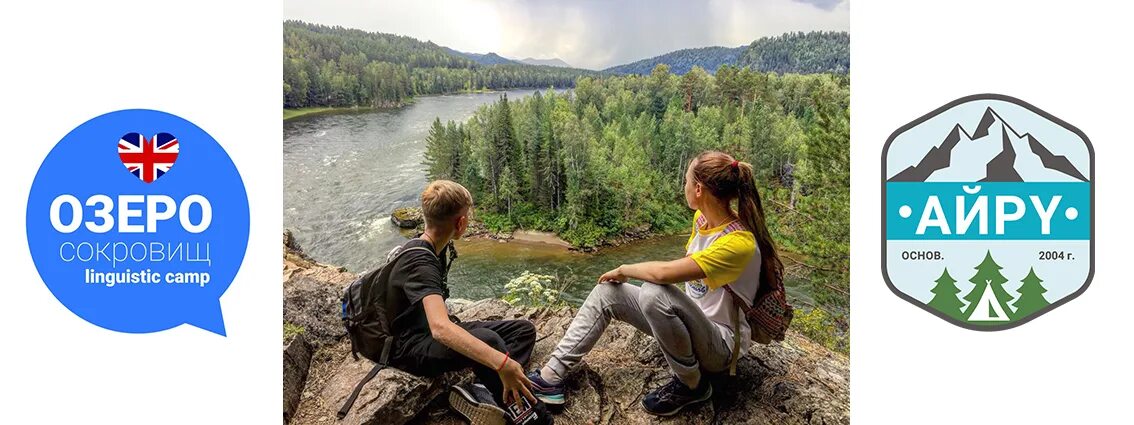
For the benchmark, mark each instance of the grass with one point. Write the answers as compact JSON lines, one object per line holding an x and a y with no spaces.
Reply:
{"x":289,"y":113}
{"x":290,"y":330}
{"x":292,"y":113}
{"x":820,"y":327}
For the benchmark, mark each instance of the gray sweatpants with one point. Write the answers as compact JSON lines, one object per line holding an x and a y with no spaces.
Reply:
{"x":688,"y":339}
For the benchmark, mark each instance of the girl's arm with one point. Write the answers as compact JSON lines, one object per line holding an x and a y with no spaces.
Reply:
{"x":660,"y":272}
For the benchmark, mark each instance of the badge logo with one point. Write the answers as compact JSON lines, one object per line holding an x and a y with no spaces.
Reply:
{"x":148,"y":159}
{"x":988,"y":212}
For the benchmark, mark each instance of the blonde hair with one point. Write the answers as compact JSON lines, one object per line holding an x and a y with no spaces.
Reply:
{"x":443,"y":200}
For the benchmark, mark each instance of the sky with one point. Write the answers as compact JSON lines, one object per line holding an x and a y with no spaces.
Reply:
{"x":591,"y":34}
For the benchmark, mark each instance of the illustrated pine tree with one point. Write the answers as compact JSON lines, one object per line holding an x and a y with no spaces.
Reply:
{"x":945,"y":297}
{"x":1031,"y":297}
{"x":988,"y":301}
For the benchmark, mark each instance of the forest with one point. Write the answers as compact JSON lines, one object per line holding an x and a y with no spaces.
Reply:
{"x":800,"y":52}
{"x":607,"y":159}
{"x":791,"y":53}
{"x":339,"y":67}
{"x":327,"y":66}
{"x":682,"y":61}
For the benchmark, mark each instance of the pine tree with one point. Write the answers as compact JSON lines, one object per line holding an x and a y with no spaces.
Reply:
{"x":945,"y":297}
{"x":536,"y":151}
{"x":1031,"y":297}
{"x":439,"y":156}
{"x":988,"y":278}
{"x":507,"y":190}
{"x":503,"y":147}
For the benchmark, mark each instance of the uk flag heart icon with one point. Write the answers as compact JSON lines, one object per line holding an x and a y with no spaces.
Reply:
{"x":148,"y":159}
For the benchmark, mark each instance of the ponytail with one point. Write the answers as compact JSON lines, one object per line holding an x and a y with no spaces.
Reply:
{"x":751,"y":211}
{"x":730,"y":179}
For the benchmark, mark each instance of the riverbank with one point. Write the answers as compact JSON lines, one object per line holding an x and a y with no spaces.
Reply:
{"x":289,"y":113}
{"x":409,"y":219}
{"x":478,"y":230}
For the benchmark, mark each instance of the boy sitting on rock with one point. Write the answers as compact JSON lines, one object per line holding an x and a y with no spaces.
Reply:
{"x":427,"y":342}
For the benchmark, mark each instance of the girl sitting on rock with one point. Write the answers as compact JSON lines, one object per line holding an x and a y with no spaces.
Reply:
{"x":694,"y":328}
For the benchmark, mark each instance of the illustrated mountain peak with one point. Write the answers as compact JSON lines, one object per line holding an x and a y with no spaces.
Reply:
{"x":993,"y":152}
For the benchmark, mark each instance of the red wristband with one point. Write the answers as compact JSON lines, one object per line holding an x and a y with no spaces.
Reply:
{"x":503,"y":362}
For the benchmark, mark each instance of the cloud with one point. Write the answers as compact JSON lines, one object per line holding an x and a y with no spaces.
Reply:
{"x":822,"y":4}
{"x":592,"y":34}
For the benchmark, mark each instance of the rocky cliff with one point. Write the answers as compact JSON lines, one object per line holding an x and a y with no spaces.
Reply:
{"x":793,"y":382}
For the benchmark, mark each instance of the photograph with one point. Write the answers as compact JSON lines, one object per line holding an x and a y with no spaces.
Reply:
{"x":575,"y":212}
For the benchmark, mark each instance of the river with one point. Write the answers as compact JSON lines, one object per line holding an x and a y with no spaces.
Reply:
{"x":345,"y":172}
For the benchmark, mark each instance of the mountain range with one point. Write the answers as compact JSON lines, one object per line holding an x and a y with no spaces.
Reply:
{"x":546,"y":62}
{"x":994,"y":152}
{"x":682,"y":61}
{"x":798,"y":53}
{"x":491,"y":58}
{"x":481,"y":58}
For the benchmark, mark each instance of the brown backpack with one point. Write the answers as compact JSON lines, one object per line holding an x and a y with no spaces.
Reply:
{"x":769,"y":317}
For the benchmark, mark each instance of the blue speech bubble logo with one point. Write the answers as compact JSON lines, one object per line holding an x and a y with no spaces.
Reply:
{"x":137,"y":222}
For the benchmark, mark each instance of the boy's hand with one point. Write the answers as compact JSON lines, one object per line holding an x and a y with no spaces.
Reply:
{"x":615,"y":275}
{"x":516,"y":385}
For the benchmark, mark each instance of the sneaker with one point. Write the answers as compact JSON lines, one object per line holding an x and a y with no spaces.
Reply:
{"x":547,"y":392}
{"x":674,"y":396}
{"x":526,"y":414}
{"x":475,"y":403}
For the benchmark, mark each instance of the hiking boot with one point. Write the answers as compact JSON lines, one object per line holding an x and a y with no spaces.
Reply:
{"x":547,"y":392}
{"x":674,"y":396}
{"x":475,"y":403}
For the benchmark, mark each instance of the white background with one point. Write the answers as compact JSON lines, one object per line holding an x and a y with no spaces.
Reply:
{"x":215,"y":63}
{"x":1070,"y":59}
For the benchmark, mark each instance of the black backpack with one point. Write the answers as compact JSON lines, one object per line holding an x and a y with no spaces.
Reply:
{"x":365,"y":318}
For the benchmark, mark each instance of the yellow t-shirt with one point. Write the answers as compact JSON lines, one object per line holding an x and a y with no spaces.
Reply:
{"x":729,"y":256}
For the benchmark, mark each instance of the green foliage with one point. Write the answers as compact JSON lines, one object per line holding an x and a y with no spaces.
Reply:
{"x":336,"y":66}
{"x":294,"y":113}
{"x":535,"y":290}
{"x":820,"y":184}
{"x":608,"y":159}
{"x":791,"y":53}
{"x":819,"y":326}
{"x":444,"y":148}
{"x":290,"y":330}
{"x":800,"y":53}
{"x":483,"y":59}
{"x":496,"y":223}
{"x":682,"y":61}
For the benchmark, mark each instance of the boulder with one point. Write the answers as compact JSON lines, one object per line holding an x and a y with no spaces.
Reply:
{"x":393,"y":397}
{"x":312,"y":294}
{"x":407,"y":217}
{"x":315,"y":305}
{"x":296,"y":361}
{"x":793,"y":382}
